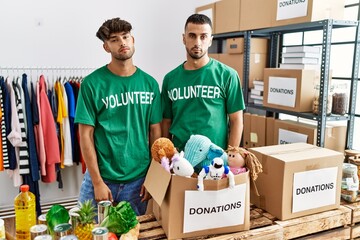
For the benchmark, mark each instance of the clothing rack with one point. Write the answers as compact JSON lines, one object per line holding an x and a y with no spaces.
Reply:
{"x":48,"y":72}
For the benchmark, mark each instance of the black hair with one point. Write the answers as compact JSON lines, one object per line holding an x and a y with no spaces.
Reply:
{"x":114,"y":25}
{"x":198,"y":19}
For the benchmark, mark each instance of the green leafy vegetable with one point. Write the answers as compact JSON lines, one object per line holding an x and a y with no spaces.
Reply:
{"x":56,"y":215}
{"x":120,"y":219}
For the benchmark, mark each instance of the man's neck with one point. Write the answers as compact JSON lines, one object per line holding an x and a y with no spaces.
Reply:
{"x":193,"y":64}
{"x":122,"y":68}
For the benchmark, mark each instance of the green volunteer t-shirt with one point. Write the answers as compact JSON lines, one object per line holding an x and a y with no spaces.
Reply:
{"x":121,"y":110}
{"x":198,"y":101}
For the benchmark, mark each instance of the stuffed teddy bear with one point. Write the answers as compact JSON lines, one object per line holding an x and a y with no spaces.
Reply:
{"x":162,"y":150}
{"x":239,"y":159}
{"x":215,"y":171}
{"x":181,"y":166}
{"x":200,"y":151}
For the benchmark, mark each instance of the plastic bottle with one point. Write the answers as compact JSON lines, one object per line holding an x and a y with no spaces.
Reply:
{"x":25,"y":212}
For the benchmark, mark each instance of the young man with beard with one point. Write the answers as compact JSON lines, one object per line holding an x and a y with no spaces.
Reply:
{"x":202,"y":95}
{"x":119,"y":114}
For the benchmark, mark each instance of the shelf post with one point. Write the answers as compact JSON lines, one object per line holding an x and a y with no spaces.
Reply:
{"x":246,"y":68}
{"x":324,"y":81}
{"x":353,"y":92}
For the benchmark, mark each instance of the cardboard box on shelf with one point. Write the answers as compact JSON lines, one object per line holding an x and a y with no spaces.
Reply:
{"x":256,"y":14}
{"x":234,"y":57}
{"x":287,"y":131}
{"x":227,"y":14}
{"x":257,"y":130}
{"x":290,"y":89}
{"x":236,"y":61}
{"x":208,"y":10}
{"x":183,"y":211}
{"x":247,"y":130}
{"x":270,"y":122}
{"x":291,"y":12}
{"x":298,"y":179}
{"x":236,"y":45}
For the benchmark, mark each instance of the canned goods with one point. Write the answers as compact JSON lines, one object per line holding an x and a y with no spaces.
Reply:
{"x":74,"y":216}
{"x":43,"y":237}
{"x":103,"y":208}
{"x":42,"y":219}
{"x":37,"y":230}
{"x":62,"y":229}
{"x":100,"y":233}
{"x":69,"y":237}
{"x":2,"y":229}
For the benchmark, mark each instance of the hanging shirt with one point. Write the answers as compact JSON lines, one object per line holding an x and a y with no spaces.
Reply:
{"x":15,"y":135}
{"x":23,"y":146}
{"x":46,"y":121}
{"x":61,"y":112}
{"x":39,"y":137}
{"x":33,"y":158}
{"x":76,"y":149}
{"x":67,"y":138}
{"x":1,"y":149}
{"x":71,"y":115}
{"x":4,"y":154}
{"x":8,"y":148}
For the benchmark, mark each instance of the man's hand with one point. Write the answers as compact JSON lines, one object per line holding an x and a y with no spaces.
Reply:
{"x":102,"y":192}
{"x":144,"y":194}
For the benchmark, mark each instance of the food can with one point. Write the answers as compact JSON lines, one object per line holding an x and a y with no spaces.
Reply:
{"x":103,"y":208}
{"x":100,"y":233}
{"x":74,"y":216}
{"x":37,"y":230}
{"x":62,"y":229}
{"x":42,"y":219}
{"x":43,"y":237}
{"x":69,"y":237}
{"x":2,"y":229}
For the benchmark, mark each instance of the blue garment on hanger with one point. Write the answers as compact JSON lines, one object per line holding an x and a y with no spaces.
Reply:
{"x":71,"y":113}
{"x":33,"y":157}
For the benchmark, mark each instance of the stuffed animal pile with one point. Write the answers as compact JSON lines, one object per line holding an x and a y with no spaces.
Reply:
{"x":205,"y":160}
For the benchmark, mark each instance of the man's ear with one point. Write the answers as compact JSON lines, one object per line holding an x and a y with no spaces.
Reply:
{"x":211,"y":41}
{"x":105,"y":46}
{"x":183,"y":36}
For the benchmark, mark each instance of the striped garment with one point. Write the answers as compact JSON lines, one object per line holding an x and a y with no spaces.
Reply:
{"x":24,"y":167}
{"x":3,"y":133}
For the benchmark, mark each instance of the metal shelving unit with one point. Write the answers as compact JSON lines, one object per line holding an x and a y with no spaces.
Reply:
{"x":275,"y":34}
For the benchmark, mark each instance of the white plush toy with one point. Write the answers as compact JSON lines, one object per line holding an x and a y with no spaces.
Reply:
{"x":215,"y":172}
{"x":181,"y":166}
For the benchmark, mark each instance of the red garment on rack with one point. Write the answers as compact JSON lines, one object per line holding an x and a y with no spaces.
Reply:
{"x":51,"y":142}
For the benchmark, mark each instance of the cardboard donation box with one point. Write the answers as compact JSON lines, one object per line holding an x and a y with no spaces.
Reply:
{"x":298,"y":179}
{"x":227,"y":14}
{"x":234,"y":57}
{"x":291,"y":12}
{"x":255,"y":14}
{"x":291,"y":90}
{"x":287,"y":131}
{"x":186,"y":212}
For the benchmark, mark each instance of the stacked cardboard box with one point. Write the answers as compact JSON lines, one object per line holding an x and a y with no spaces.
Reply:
{"x":298,"y":179}
{"x":242,"y":15}
{"x":291,"y":90}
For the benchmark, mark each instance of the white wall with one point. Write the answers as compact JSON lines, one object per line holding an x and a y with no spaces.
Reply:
{"x":54,"y":33}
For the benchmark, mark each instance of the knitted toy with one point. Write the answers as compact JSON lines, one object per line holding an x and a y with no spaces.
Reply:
{"x":215,"y":172}
{"x":200,"y":151}
{"x":239,"y":159}
{"x":162,"y":151}
{"x":181,"y":166}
